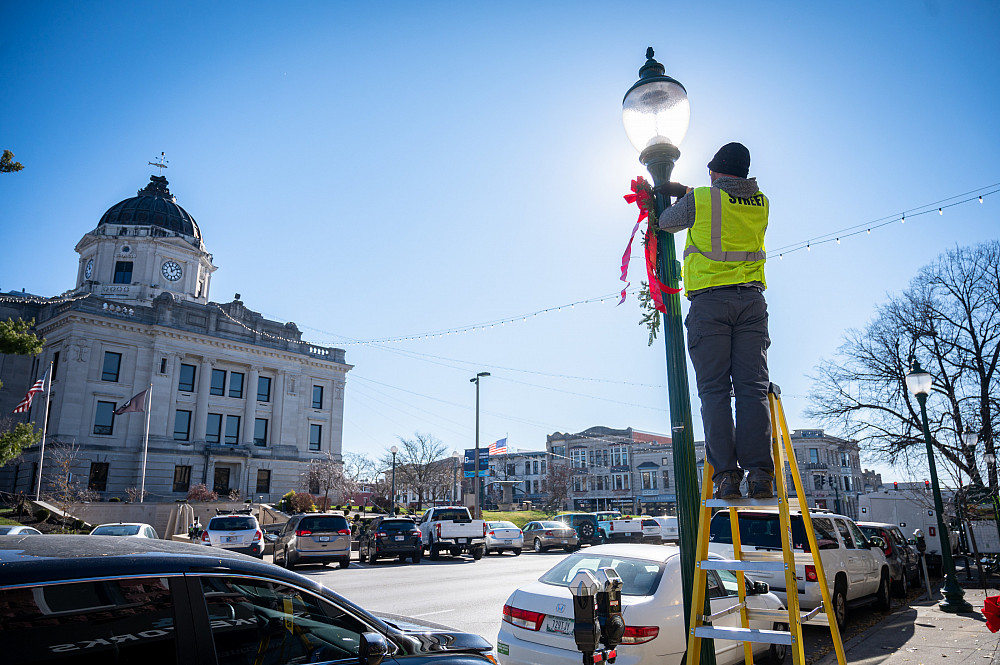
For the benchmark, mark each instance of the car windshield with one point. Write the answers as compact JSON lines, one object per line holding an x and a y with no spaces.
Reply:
{"x":231,"y":524}
{"x":324,"y":523}
{"x":639,"y":577}
{"x":505,"y":525}
{"x":552,"y":525}
{"x":116,"y":530}
{"x":456,"y":515}
{"x":4,"y":530}
{"x":396,"y":525}
{"x":763,"y":531}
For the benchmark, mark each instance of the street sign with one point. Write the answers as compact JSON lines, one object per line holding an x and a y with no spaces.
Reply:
{"x":468,"y":465}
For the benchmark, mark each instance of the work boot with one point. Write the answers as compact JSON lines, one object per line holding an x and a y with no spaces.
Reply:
{"x":760,"y":488}
{"x":728,"y":486}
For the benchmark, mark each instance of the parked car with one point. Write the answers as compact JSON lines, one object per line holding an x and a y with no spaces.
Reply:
{"x":314,"y":538}
{"x":542,"y":536}
{"x":503,"y":536}
{"x":131,"y":600}
{"x":18,"y":530}
{"x":271,"y":534}
{"x":537,"y":622}
{"x":668,"y":528}
{"x":239,"y":533}
{"x":451,"y":529}
{"x":614,"y":527}
{"x":132,"y":529}
{"x":585,"y":525}
{"x":904,"y":564}
{"x":651,"y":531}
{"x":855,"y":567}
{"x":390,"y":537}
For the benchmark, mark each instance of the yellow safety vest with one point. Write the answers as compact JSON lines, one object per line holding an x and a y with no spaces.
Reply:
{"x":726,"y":243}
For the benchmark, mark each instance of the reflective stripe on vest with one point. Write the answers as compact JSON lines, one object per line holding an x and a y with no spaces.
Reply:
{"x":716,"y":253}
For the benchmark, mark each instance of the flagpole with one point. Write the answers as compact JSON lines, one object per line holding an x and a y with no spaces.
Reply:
{"x":45,"y":425}
{"x":147,"y":403}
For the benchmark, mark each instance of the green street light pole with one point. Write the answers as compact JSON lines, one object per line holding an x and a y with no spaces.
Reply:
{"x":477,"y":480}
{"x":919,"y":383}
{"x":655,"y":112}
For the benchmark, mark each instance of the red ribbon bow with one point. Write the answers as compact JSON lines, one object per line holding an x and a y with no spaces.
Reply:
{"x":991,"y":610}
{"x":642,"y":196}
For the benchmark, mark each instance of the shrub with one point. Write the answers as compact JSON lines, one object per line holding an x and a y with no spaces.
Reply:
{"x":285,"y":504}
{"x":201,"y":492}
{"x":114,"y":499}
{"x":42,"y":514}
{"x":302,"y":502}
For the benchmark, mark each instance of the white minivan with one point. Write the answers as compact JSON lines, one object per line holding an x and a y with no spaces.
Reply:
{"x":668,"y":529}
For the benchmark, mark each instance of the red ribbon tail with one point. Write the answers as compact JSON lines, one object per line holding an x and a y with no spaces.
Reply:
{"x":626,"y":256}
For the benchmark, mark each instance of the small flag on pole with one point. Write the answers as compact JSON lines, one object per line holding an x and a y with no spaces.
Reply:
{"x":499,"y":447}
{"x":25,"y":404}
{"x":137,"y":403}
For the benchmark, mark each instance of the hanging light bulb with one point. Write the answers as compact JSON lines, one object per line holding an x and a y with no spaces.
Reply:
{"x":980,"y":199}
{"x":940,"y":211}
{"x":808,"y":248}
{"x":781,"y":257}
{"x":869,"y":231}
{"x":902,"y":220}
{"x":838,"y":241}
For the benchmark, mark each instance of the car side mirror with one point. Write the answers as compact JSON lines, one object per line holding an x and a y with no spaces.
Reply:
{"x":755,"y":588}
{"x":373,"y":649}
{"x":876,"y":541}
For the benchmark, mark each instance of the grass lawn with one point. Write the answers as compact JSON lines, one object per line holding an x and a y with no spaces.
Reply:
{"x":4,"y":520}
{"x":518,"y":517}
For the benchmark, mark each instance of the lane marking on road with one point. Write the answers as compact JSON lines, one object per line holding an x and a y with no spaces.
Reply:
{"x":427,"y":614}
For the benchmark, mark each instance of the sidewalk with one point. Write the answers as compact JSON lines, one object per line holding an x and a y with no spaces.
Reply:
{"x":921,"y":634}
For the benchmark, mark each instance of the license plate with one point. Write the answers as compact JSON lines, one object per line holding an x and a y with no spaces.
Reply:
{"x":324,"y":539}
{"x":565,"y":540}
{"x":559,"y":625}
{"x":400,"y":538}
{"x":229,"y":539}
{"x":507,"y":542}
{"x":463,"y":540}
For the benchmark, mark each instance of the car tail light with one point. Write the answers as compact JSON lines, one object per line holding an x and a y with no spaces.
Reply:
{"x":811,"y":574}
{"x":612,"y":526}
{"x":548,"y":533}
{"x":257,"y":536}
{"x":639,"y":634}
{"x":491,"y":533}
{"x":343,"y":532}
{"x":303,"y":532}
{"x":484,"y":528}
{"x":523,"y":618}
{"x":205,"y":537}
{"x":415,"y":533}
{"x":438,"y":529}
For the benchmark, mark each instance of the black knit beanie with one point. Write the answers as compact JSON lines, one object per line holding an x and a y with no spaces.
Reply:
{"x":732,"y":159}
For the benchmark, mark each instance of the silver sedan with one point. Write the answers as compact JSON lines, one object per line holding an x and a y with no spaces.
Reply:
{"x":502,"y":536}
{"x":544,"y":535}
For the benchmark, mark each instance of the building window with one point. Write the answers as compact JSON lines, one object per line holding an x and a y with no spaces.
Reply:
{"x":664,"y":462}
{"x":619,"y":455}
{"x":104,"y":419}
{"x":163,"y":365}
{"x":648,"y":480}
{"x":218,"y":382}
{"x":55,"y":365}
{"x":264,"y":389}
{"x":511,"y":469}
{"x":619,"y":481}
{"x":263,"y":481}
{"x":578,"y":483}
{"x":527,"y":468}
{"x":182,"y":425}
{"x":182,"y":478}
{"x":543,"y":467}
{"x":112,"y":365}
{"x":601,"y":483}
{"x":317,"y":397}
{"x":260,"y":432}
{"x":813,"y":456}
{"x":578,"y":457}
{"x":315,"y":435}
{"x":666,"y":479}
{"x":213,"y":431}
{"x":535,"y":467}
{"x":232,"y":430}
{"x":536,"y":486}
{"x":845,"y":459}
{"x":236,"y":385}
{"x":98,"y":477}
{"x":817,"y":482}
{"x":847,"y":483}
{"x":185,"y":383}
{"x":559,"y":450}
{"x":123,"y":272}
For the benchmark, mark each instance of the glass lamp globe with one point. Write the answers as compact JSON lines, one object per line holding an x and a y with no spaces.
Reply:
{"x":655,"y":110}
{"x":918,"y":381}
{"x":970,"y":438}
{"x":394,"y":450}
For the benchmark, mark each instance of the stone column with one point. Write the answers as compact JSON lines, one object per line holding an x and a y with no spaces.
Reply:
{"x":250,"y":411}
{"x":204,"y":388}
{"x":167,"y":427}
{"x":277,"y":406}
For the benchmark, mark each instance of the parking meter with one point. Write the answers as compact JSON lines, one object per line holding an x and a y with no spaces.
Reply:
{"x":586,"y":632}
{"x":921,"y":542}
{"x":609,"y":609}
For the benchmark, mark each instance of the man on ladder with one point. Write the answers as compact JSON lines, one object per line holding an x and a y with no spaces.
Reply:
{"x":727,"y":320}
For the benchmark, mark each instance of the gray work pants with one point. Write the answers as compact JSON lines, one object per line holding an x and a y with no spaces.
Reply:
{"x":728,"y":340}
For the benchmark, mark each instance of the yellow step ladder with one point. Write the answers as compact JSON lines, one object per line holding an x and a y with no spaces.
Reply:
{"x":700,"y":624}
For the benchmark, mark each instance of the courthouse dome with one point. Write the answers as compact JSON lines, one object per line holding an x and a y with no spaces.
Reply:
{"x":154,"y":206}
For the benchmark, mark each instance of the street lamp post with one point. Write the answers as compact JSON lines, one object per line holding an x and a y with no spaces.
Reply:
{"x":454,"y":476}
{"x":991,"y":459}
{"x":656,"y":112}
{"x":919,"y":383}
{"x":393,"y":450}
{"x":478,"y":480}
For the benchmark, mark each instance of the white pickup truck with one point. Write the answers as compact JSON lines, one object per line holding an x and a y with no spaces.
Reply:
{"x":615,"y":528}
{"x":451,"y":529}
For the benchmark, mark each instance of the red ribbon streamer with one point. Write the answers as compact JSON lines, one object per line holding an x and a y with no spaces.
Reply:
{"x":642,"y":197}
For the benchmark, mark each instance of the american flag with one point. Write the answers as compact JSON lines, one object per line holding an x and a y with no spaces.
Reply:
{"x":25,"y":404}
{"x":499,"y":447}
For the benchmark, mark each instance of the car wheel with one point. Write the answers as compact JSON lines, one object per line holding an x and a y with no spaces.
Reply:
{"x":899,"y":586}
{"x":415,"y":558}
{"x":776,"y":654}
{"x":478,"y":552}
{"x":538,"y":546}
{"x":517,"y":551}
{"x":883,"y":600}
{"x":587,"y":530}
{"x":840,"y":605}
{"x":287,"y":561}
{"x":345,"y":563}
{"x":434,"y":553}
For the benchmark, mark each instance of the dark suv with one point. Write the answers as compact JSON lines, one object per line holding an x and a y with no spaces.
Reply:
{"x":389,"y":537}
{"x":585,"y":525}
{"x":314,"y":538}
{"x":904,"y":565}
{"x":97,"y":599}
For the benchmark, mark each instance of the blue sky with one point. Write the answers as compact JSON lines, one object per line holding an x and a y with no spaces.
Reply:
{"x":373,"y":171}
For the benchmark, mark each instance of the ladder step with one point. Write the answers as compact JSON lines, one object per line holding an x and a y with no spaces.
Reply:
{"x":801,"y":558}
{"x":793,"y":503}
{"x":744,"y":635}
{"x":820,"y":619}
{"x":729,"y":564}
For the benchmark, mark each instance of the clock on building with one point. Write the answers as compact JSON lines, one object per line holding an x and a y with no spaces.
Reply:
{"x":89,"y":270}
{"x":172,"y":271}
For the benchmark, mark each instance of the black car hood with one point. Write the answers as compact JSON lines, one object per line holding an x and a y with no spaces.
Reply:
{"x":426,"y":637}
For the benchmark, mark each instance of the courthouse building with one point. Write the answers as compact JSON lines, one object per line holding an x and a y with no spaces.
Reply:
{"x":238,"y":402}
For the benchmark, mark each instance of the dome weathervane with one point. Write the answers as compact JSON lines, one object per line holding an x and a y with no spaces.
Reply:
{"x":161,"y":163}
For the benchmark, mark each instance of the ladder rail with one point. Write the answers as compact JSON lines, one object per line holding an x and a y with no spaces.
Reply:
{"x":701,"y":553}
{"x":734,"y":528}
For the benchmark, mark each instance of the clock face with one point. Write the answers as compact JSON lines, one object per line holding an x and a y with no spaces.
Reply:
{"x":89,"y":270}
{"x":172,"y":271}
